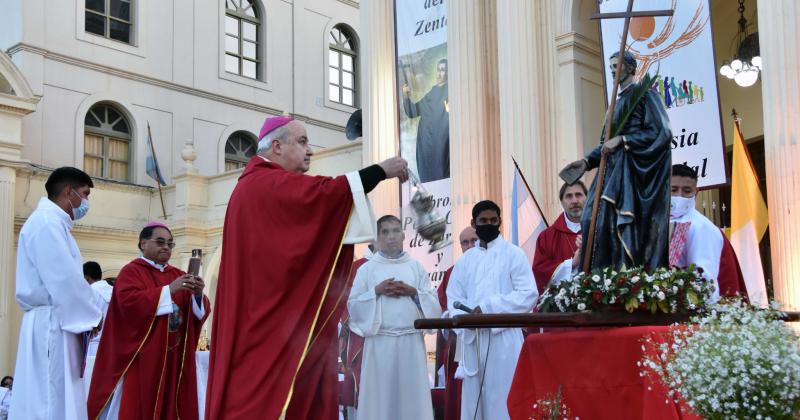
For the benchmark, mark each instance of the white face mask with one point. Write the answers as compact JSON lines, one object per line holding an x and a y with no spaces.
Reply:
{"x":679,"y":206}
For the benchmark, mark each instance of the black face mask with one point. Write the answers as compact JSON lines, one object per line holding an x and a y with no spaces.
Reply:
{"x":487,"y":233}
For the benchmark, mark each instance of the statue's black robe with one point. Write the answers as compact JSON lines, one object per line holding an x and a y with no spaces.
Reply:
{"x":433,"y":133}
{"x":633,"y":219}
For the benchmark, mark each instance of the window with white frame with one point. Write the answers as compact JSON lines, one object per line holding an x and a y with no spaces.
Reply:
{"x":107,"y":143}
{"x":112,"y":19}
{"x":242,"y":42}
{"x":342,"y":66}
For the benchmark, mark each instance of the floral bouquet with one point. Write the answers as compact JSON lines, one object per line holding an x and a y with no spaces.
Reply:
{"x":667,"y":290}
{"x":551,"y":408}
{"x":735,"y":362}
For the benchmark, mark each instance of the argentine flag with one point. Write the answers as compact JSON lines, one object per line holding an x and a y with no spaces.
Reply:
{"x":527,"y":221}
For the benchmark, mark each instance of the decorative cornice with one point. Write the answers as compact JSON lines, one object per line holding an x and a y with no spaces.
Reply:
{"x":42,"y":172}
{"x":352,"y":3}
{"x":15,"y":110}
{"x":54,"y":56}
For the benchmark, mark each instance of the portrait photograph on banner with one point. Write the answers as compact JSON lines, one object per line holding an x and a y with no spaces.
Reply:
{"x":423,"y":113}
{"x":678,"y":52}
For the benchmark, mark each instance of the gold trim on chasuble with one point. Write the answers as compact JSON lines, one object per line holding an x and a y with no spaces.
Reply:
{"x":149,"y":330}
{"x":316,"y":317}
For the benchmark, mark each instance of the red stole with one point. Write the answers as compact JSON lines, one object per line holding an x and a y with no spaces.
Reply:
{"x":158,"y":365}
{"x":554,"y":245}
{"x":279,"y":296}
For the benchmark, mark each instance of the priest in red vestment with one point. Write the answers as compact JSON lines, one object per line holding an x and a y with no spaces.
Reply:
{"x":558,"y":243}
{"x":446,"y":344}
{"x":350,"y":346}
{"x":282,"y":280}
{"x":696,"y":240}
{"x":145,"y":365}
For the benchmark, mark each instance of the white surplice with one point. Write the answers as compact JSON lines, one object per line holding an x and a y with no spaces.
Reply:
{"x":499,"y":280}
{"x":394,"y":373}
{"x":58,"y":306}
{"x":704,"y":244}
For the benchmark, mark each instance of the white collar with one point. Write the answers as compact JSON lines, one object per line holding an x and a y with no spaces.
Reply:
{"x":574,"y":227}
{"x":47,"y":205}
{"x":158,"y":267}
{"x":498,"y":240}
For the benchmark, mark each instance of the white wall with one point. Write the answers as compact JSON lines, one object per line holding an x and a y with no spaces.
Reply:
{"x":171,"y":77}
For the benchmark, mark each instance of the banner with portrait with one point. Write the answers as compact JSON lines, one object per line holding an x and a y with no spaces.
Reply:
{"x":423,"y":112}
{"x":679,"y":50}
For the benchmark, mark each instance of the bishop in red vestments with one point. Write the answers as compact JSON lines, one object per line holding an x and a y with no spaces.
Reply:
{"x":558,"y":243}
{"x":145,"y":365}
{"x":447,"y":346}
{"x":282,"y":279}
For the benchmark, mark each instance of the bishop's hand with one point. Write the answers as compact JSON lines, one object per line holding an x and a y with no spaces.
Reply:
{"x":181,"y":283}
{"x":395,"y":167}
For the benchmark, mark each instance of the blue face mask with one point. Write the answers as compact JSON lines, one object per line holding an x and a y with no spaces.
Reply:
{"x":82,"y":209}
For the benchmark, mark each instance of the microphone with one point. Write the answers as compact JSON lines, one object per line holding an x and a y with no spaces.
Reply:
{"x":465,"y":308}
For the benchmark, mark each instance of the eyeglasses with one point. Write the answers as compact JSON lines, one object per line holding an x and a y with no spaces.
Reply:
{"x":162,"y":243}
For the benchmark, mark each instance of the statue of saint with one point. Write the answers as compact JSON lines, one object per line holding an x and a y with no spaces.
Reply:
{"x":632,"y":223}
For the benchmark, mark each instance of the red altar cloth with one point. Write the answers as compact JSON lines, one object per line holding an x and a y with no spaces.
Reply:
{"x":597,"y":372}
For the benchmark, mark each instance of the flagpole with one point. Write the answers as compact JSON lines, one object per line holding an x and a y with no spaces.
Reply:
{"x":521,"y":175}
{"x":158,"y":183}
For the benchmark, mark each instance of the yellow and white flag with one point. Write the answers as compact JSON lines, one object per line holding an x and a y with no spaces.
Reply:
{"x":749,"y":219}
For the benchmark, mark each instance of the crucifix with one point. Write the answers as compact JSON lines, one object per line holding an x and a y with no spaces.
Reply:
{"x":627,"y":15}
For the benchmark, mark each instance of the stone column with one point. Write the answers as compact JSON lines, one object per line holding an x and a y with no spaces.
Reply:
{"x":778,"y":21}
{"x":528,"y":104}
{"x":474,"y":108}
{"x":8,"y":328}
{"x":378,"y":99}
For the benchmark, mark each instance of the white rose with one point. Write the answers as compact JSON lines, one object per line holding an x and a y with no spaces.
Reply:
{"x":581,"y":306}
{"x":595,"y":278}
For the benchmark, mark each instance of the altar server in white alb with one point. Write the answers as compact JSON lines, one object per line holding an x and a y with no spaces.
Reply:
{"x":389,"y":293}
{"x":494,"y":277}
{"x":58,"y":304}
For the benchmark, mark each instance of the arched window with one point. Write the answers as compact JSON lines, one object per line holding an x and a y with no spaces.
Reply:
{"x":106,"y":143}
{"x":110,"y":18}
{"x":242,"y":38}
{"x":239,"y":148}
{"x":343,"y":65}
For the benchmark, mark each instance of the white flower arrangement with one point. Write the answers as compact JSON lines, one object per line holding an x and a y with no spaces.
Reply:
{"x":666,"y":290}
{"x":734,"y":362}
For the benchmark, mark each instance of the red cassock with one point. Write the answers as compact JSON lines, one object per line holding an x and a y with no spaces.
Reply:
{"x":446,"y":356}
{"x":554,"y":245}
{"x":351,"y":346}
{"x":280,"y":293}
{"x":158,"y":366}
{"x":731,"y":281}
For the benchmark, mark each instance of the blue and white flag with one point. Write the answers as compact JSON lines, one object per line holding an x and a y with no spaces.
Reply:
{"x":151,"y":163}
{"x":527,"y":221}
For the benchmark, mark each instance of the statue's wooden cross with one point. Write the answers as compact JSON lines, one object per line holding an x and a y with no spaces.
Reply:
{"x":627,"y":15}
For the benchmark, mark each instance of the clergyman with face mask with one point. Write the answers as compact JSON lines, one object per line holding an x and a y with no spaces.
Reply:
{"x":58,"y":304}
{"x":494,"y":277}
{"x":696,"y":240}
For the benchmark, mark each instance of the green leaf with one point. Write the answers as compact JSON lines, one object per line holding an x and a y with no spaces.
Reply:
{"x":664,"y":306}
{"x":691,"y":296}
{"x":639,"y":90}
{"x":631,"y":304}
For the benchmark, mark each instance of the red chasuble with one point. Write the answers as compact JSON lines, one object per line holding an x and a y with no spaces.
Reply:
{"x":279,"y":296}
{"x":158,"y":365}
{"x":555,"y":244}
{"x":350,"y":350}
{"x":446,"y":356}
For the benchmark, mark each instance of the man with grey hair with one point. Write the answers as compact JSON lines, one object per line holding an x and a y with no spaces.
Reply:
{"x":284,"y":268}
